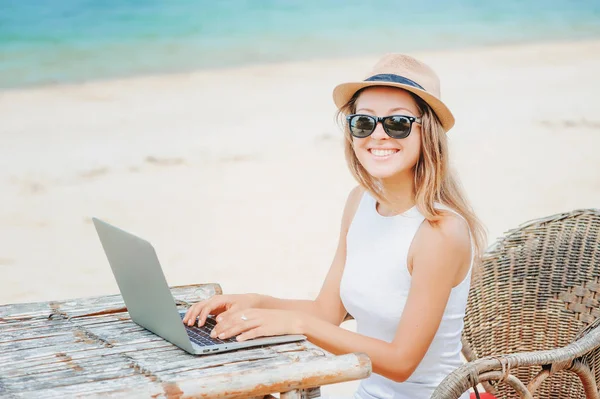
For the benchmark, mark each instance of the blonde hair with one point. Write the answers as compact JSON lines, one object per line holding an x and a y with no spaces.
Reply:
{"x":434,"y":180}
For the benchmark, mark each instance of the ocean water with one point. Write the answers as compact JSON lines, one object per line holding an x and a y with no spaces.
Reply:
{"x":46,"y":42}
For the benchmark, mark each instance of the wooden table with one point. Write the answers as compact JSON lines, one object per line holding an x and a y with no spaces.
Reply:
{"x":90,"y":347}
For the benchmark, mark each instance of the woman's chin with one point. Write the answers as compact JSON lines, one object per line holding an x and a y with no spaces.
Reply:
{"x":383,"y":172}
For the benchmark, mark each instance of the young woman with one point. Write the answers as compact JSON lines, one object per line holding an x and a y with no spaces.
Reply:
{"x":407,"y":246}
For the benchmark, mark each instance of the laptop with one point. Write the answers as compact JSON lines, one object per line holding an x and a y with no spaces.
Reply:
{"x":149,"y":301}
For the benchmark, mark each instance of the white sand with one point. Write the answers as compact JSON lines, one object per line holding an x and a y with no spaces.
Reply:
{"x":237,"y":176}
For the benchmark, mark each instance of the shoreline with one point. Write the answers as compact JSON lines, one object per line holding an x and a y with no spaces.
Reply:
{"x":468,"y":49}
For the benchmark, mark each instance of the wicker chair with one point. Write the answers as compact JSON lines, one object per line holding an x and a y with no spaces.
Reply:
{"x":531,"y":329}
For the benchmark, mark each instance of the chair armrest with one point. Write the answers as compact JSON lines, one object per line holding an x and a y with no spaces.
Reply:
{"x":498,"y":368}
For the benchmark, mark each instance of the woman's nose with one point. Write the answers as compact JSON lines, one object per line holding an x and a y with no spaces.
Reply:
{"x":379,"y":133}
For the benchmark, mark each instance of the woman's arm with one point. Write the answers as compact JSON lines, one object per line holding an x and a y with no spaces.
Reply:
{"x":441,"y":259}
{"x":328,"y":305}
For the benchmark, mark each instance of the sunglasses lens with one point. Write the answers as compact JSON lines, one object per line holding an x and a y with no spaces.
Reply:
{"x":397,"y":127}
{"x":361,"y":125}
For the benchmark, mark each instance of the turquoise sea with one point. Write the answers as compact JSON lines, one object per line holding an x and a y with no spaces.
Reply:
{"x":45,"y":42}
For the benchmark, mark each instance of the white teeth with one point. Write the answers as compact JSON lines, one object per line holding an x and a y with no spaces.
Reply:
{"x":382,"y":153}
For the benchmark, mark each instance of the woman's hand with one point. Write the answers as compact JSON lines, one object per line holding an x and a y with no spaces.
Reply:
{"x":218,"y":304}
{"x":254,"y":323}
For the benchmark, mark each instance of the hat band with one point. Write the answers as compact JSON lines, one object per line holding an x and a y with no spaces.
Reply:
{"x":390,"y":77}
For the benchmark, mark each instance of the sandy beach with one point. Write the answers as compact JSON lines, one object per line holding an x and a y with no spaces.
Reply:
{"x":237,"y":176}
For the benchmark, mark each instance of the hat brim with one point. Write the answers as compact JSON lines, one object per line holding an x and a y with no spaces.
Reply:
{"x":344,"y":92}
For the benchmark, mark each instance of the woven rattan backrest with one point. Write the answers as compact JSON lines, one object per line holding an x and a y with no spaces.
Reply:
{"x":537,"y":288}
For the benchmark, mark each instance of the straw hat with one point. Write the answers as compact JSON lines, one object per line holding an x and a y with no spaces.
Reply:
{"x":405,"y":72}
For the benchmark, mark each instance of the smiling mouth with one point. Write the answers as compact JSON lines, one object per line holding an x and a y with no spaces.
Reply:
{"x":382,"y":153}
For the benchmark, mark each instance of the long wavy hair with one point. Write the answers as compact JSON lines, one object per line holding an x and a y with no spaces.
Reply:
{"x":434,"y":180}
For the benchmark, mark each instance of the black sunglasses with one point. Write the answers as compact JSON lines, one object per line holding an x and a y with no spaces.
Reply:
{"x":396,"y":126}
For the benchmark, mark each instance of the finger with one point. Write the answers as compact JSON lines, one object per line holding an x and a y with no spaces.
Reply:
{"x":228,"y":314}
{"x":237,"y":328}
{"x":211,"y":305}
{"x":250,"y":334}
{"x":223,"y":324}
{"x":194,"y":312}
{"x":188,"y":313}
{"x":230,"y":318}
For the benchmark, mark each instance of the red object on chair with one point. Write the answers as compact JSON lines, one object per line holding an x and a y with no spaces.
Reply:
{"x":483,"y":395}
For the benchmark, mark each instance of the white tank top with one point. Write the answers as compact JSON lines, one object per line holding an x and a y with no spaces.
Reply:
{"x":374,"y":289}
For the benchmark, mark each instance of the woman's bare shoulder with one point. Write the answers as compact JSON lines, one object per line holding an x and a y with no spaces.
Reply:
{"x":351,"y":206}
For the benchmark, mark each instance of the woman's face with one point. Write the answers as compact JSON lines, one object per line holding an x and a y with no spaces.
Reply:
{"x":382,"y":156}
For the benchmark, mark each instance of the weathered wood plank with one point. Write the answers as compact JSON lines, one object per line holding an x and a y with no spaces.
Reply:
{"x":175,"y":361}
{"x":7,"y":339}
{"x":101,"y":354}
{"x":70,"y":377}
{"x":30,"y":324}
{"x":261,"y":381}
{"x":23,"y":352}
{"x":255,"y":383}
{"x":33,"y":355}
{"x":69,"y":373}
{"x":24,"y":311}
{"x":191,"y":370}
{"x":90,"y":346}
{"x":156,"y":365}
{"x":103,"y":388}
{"x":97,"y":305}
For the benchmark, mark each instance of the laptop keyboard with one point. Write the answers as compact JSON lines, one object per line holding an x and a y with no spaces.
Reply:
{"x":201,"y":335}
